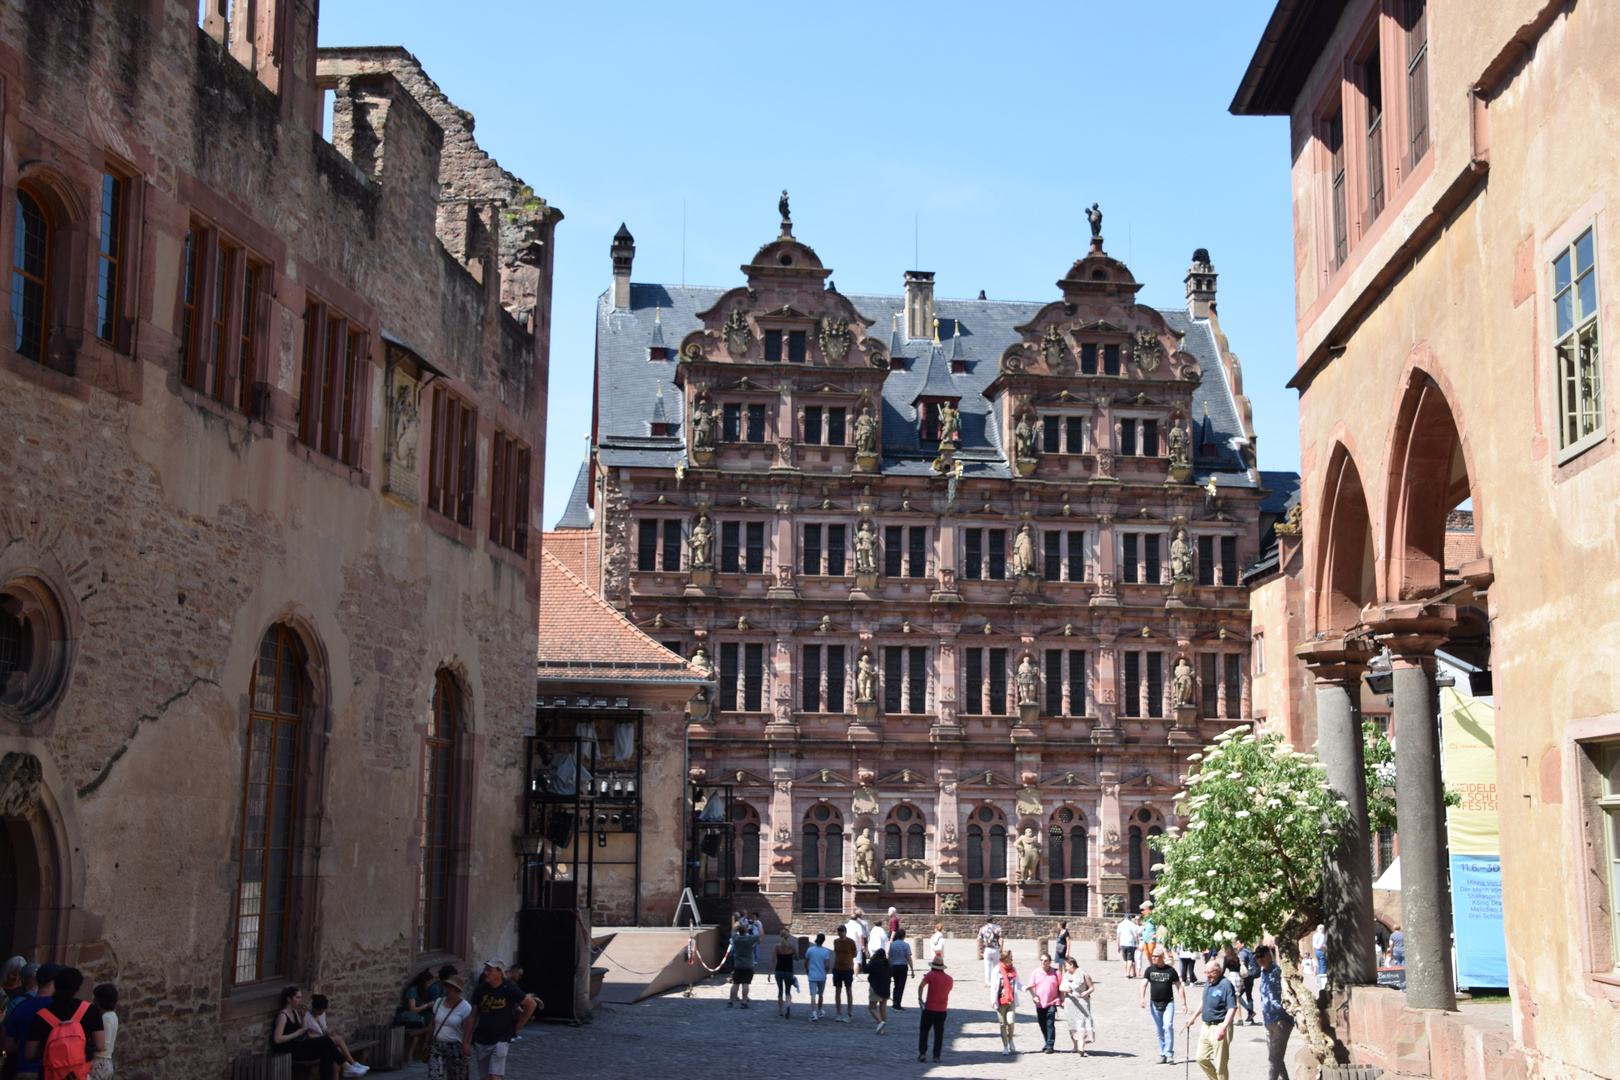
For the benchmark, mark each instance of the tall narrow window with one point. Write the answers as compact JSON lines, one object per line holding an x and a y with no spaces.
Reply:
{"x":1234,"y":686}
{"x":753,"y":676}
{"x":308,"y":422}
{"x":917,"y":554}
{"x":812,"y":425}
{"x":728,"y":676}
{"x":1077,"y":555}
{"x":810,"y":679}
{"x":973,"y":554}
{"x":219,"y":329}
{"x":1580,"y":372}
{"x":672,"y":541}
{"x":1052,"y":562}
{"x":1155,"y":684}
{"x":773,"y":346}
{"x":348,"y":447}
{"x":1372,"y":87}
{"x":440,"y":763}
{"x":835,"y":678}
{"x":1127,"y":437}
{"x":268,"y":840}
{"x":998,"y":554}
{"x":1229,"y":560}
{"x":810,"y":551}
{"x":647,"y":544}
{"x":1150,"y":543}
{"x":756,"y":548}
{"x":1076,"y":434}
{"x":1077,"y":682}
{"x":1417,"y":80}
{"x":1333,"y":135}
{"x":109,"y":265}
{"x":894,"y":551}
{"x":998,"y":682}
{"x":509,"y":502}
{"x":795,"y":346}
{"x":756,"y":423}
{"x":917,"y":680}
{"x":1210,"y":697}
{"x":190,"y":362}
{"x":1054,"y":682}
{"x":1051,"y":434}
{"x":247,"y":338}
{"x":973,"y":682}
{"x":731,"y":422}
{"x":453,"y":465}
{"x":1206,"y":560}
{"x":730,"y":534}
{"x":331,"y":384}
{"x":1110,"y":359}
{"x":1130,"y":700}
{"x":835,"y":549}
{"x":1128,"y":568}
{"x":835,"y":426}
{"x":1150,"y":438}
{"x":1088,"y":361}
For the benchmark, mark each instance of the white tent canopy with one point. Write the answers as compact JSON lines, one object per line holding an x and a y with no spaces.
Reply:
{"x":1390,"y":879}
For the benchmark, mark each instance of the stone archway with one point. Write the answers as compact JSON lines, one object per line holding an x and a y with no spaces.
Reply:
{"x":32,"y":872}
{"x":1346,"y":574}
{"x":1428,"y":478}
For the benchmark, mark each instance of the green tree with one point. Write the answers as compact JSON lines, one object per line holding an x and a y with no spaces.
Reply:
{"x":1259,"y":817}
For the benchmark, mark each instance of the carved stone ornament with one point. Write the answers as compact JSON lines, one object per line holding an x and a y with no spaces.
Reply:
{"x":1114,"y":904}
{"x":1111,"y":838}
{"x":907,"y":875}
{"x":865,"y":800}
{"x":950,"y":904}
{"x":1147,"y":350}
{"x":1052,"y":348}
{"x":949,"y":835}
{"x":784,"y":835}
{"x":949,"y":789}
{"x":835,"y":338}
{"x":739,"y":339}
{"x":876,"y":355}
{"x":1029,"y":801}
{"x":20,"y":779}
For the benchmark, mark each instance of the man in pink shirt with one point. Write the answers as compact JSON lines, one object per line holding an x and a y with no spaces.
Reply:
{"x":1044,"y":992}
{"x":933,"y":993}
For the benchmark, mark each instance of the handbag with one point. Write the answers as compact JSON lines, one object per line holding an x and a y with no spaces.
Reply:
{"x":427,"y":1047}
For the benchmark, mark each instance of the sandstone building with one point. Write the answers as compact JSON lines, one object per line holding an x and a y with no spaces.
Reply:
{"x":273,"y":410}
{"x":967,"y":572}
{"x":1454,"y":275}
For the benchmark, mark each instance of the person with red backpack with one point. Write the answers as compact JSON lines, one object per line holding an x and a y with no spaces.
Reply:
{"x":65,"y":1034}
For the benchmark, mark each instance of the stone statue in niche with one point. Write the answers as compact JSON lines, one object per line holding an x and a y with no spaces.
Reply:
{"x":1024,"y":551}
{"x":865,"y":859}
{"x":407,"y":424}
{"x":1183,"y":688}
{"x":702,"y":543}
{"x":866,"y":433}
{"x":865,"y":549}
{"x":1024,"y":436}
{"x":1180,"y":446}
{"x":950,"y":422}
{"x":865,"y":678}
{"x":1029,"y":856}
{"x":835,"y":338}
{"x":739,"y":338}
{"x":1028,"y":682}
{"x":701,"y":661}
{"x":702,"y":425}
{"x":1181,"y":557}
{"x":1147,"y":350}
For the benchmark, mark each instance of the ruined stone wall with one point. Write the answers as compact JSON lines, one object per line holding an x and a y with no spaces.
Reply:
{"x":173,"y":530}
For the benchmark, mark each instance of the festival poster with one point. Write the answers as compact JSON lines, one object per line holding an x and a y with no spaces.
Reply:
{"x":1473,"y":835}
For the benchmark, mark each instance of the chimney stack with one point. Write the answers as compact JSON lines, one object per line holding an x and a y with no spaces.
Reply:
{"x":919,"y":304}
{"x":1201,"y":285}
{"x":623,"y":252}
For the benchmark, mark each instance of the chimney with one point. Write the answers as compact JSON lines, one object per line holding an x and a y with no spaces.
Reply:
{"x":919,"y":304}
{"x":623,"y":252}
{"x":1201,"y":285}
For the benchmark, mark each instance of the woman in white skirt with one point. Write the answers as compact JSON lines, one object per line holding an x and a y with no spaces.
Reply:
{"x":1076,"y":988}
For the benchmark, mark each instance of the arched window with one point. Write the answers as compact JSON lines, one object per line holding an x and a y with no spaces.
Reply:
{"x":267,"y":843}
{"x":892,"y":841}
{"x":916,"y":841}
{"x":30,"y":273}
{"x":986,"y":862}
{"x":438,"y":784}
{"x":747,"y":825}
{"x":821,"y":865}
{"x":905,"y":835}
{"x":1069,"y":892}
{"x":1142,"y":854}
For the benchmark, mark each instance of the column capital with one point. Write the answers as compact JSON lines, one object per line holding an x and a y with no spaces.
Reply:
{"x":1412,"y":630}
{"x":1336,"y":661}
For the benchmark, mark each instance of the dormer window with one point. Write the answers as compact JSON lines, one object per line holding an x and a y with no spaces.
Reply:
{"x":660,"y":428}
{"x":1088,"y":359}
{"x":658,"y":352}
{"x":929,"y":410}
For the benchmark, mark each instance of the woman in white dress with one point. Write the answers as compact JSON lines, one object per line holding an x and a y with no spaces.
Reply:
{"x":936,"y":943}
{"x":1076,"y":988}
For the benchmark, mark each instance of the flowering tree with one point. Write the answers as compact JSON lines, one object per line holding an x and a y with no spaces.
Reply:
{"x":1259,"y":816}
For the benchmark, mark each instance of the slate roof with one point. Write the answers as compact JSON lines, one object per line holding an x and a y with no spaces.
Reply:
{"x":578,"y":514}
{"x":1282,"y":491}
{"x":583,"y":637}
{"x":628,"y":381}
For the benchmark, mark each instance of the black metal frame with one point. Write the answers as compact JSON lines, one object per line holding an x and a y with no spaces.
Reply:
{"x":715,"y":909}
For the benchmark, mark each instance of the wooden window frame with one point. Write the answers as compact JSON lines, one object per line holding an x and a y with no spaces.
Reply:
{"x":40,"y":280}
{"x":453,"y":460}
{"x":112,"y":266}
{"x":437,"y":893}
{"x":1583,"y":325}
{"x":1415,"y":31}
{"x":510,"y":464}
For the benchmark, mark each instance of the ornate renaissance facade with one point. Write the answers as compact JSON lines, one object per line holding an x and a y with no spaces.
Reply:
{"x":968,"y":572}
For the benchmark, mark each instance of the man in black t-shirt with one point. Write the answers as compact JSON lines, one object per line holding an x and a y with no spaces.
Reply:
{"x":1160,"y":988}
{"x":64,"y":1004}
{"x":499,"y":1011}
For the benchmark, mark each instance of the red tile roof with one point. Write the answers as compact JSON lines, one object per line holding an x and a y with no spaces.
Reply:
{"x":583,"y":636}
{"x":575,"y":549}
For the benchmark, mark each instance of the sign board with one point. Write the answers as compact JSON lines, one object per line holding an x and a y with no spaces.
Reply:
{"x":1468,"y":728}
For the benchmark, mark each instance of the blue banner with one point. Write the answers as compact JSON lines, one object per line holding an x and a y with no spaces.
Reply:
{"x":1476,"y":909}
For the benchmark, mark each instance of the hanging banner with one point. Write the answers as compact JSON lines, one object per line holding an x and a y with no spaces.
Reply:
{"x":1473,"y":835}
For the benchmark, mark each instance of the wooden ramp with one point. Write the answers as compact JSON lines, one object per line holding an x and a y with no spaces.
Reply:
{"x":645,"y":960}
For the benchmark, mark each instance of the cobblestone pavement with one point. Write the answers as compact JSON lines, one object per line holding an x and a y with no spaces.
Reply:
{"x":674,"y":1037}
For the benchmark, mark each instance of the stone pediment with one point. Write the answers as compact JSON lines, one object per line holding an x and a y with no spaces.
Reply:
{"x":1144,"y":514}
{"x":740,"y":777}
{"x":1099,"y":326}
{"x":827,"y":626}
{"x":1223,"y":634}
{"x":824,"y":778}
{"x":835,"y":389}
{"x":1068,"y":780}
{"x":906,"y":778}
{"x":1070,"y":631}
{"x":988,"y":629}
{"x":662,"y":500}
{"x":987,"y":779}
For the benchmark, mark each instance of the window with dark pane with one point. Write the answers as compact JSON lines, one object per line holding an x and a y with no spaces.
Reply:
{"x":1077,"y":555}
{"x":835,"y":549}
{"x":756,"y":423}
{"x":1052,"y":554}
{"x":439,"y":799}
{"x":998,"y":682}
{"x":731,"y":422}
{"x":1209,"y":698}
{"x":773,"y":346}
{"x":917,"y":680}
{"x":753,"y":676}
{"x":893,"y":841}
{"x":1229,"y":560}
{"x":1129,"y":566}
{"x":672,"y":538}
{"x":1130,"y":703}
{"x":1054,"y":682}
{"x":998,"y":554}
{"x":973,"y":554}
{"x":893,"y":678}
{"x":1110,"y":359}
{"x":1077,"y":682}
{"x":1088,"y":361}
{"x":917,"y":552}
{"x":647,"y":544}
{"x":1234,"y":686}
{"x":1155,"y":684}
{"x":810,"y":550}
{"x":835,"y":678}
{"x":812,"y":425}
{"x":810,"y":679}
{"x":1127,"y":437}
{"x":1150,"y":542}
{"x":1051,"y":434}
{"x":916,"y":841}
{"x":730,"y":546}
{"x":1206,"y":560}
{"x":796,"y":346}
{"x":756,"y":547}
{"x":973,"y":682}
{"x":835,"y":425}
{"x":728,"y":676}
{"x":894,"y":551}
{"x":1076,"y":434}
{"x":110,"y":256}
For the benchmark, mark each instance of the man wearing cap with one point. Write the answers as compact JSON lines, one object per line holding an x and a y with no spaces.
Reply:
{"x":499,"y":1011}
{"x":17,"y":1023}
{"x":933,"y":993}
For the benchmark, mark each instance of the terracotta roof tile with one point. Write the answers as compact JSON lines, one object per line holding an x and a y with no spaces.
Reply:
{"x":582,"y":635}
{"x":575,"y":549}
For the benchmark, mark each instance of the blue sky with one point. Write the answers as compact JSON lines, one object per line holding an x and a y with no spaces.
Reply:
{"x":986,"y":128}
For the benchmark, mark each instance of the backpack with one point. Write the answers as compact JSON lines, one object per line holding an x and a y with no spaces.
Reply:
{"x":64,"y":1055}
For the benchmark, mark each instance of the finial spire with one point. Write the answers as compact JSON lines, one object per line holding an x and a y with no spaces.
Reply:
{"x":936,"y":329}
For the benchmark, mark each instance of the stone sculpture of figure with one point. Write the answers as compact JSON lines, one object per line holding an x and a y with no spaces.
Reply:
{"x":1024,"y":435}
{"x":865,"y":549}
{"x":702,"y":543}
{"x":866,"y":433}
{"x":1029,"y":856}
{"x":782,"y":206}
{"x":1028,"y":682}
{"x":406,"y":424}
{"x":701,"y":661}
{"x":950,"y":422}
{"x":865,"y":857}
{"x":865,"y":678}
{"x":702,"y":426}
{"x":1181,"y":557}
{"x":1180,"y":446}
{"x":1024,"y":551}
{"x":1094,"y":217}
{"x":1182,"y":687}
